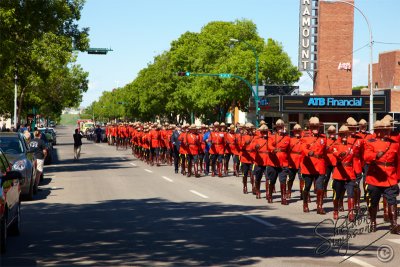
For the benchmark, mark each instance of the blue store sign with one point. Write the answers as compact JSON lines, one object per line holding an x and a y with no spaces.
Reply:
{"x":321,"y":104}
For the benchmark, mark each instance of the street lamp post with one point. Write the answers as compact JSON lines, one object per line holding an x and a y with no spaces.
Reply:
{"x":15,"y":99}
{"x":371,"y":92}
{"x":256,"y":91}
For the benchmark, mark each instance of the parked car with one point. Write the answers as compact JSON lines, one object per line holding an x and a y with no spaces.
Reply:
{"x":10,"y":205}
{"x":51,"y":135}
{"x":52,"y":124}
{"x":17,"y":152}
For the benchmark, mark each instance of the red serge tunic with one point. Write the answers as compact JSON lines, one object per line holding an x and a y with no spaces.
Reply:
{"x":155,"y":138}
{"x":217,"y":143}
{"x":315,"y":164}
{"x":279,"y":146}
{"x":262,"y":153}
{"x":231,"y":144}
{"x":344,"y":164}
{"x":357,"y":146}
{"x":183,"y":148}
{"x":146,"y":140}
{"x":330,"y":158}
{"x":294,"y":153}
{"x":245,"y":149}
{"x":193,"y":143}
{"x":382,"y":171}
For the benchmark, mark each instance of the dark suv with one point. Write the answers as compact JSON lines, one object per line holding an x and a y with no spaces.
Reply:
{"x":10,"y":204}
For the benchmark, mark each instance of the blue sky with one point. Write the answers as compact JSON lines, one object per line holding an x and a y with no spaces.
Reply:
{"x":138,"y":30}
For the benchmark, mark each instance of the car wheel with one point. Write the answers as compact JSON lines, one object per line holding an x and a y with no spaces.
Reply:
{"x":15,"y":227}
{"x":3,"y":234}
{"x":30,"y":193}
{"x":35,"y":185}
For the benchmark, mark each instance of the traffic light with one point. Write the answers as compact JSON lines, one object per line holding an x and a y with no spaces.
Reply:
{"x":183,"y":73}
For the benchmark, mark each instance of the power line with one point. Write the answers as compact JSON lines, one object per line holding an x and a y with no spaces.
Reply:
{"x":386,"y":43}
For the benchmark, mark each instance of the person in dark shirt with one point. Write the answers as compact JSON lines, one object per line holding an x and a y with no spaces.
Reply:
{"x":38,"y":147}
{"x":97,"y":131}
{"x":77,"y":144}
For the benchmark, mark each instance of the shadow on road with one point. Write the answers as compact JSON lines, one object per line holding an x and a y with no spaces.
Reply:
{"x":88,"y":164}
{"x":154,"y":231}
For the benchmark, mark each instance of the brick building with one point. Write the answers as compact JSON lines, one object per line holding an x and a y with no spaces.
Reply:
{"x":333,"y":75}
{"x":386,"y":76}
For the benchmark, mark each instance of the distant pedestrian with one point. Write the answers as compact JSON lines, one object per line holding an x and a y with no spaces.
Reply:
{"x":38,"y":147}
{"x":77,"y":144}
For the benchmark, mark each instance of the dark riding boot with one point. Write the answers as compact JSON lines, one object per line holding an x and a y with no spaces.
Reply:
{"x":196,"y":170}
{"x":245,"y":185}
{"x":189,"y":172}
{"x":357,"y":195}
{"x":335,"y":209}
{"x":219,"y":169}
{"x":394,"y":227}
{"x":253,"y":188}
{"x":270,"y":191}
{"x":305,"y":201}
{"x":385,"y":210}
{"x":351,"y":207}
{"x":341,"y":206}
{"x":258,"y":193}
{"x":283,"y":194}
{"x":301,"y":188}
{"x":183,"y":167}
{"x":289,"y":189}
{"x":372,"y":217}
{"x":320,"y":201}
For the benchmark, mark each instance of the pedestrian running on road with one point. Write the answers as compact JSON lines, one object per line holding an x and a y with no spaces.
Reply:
{"x":77,"y":144}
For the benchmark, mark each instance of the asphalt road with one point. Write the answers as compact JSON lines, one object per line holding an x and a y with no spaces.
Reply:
{"x":110,"y":209}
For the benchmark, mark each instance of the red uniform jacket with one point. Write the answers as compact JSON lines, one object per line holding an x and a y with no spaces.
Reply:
{"x":357,"y":147}
{"x":314,"y":164}
{"x":279,"y":146}
{"x":217,"y":143}
{"x":155,"y":136}
{"x":193,"y":143}
{"x":183,"y":148}
{"x":245,"y":149}
{"x":295,"y":154}
{"x":344,"y":164}
{"x":231,"y":144}
{"x":382,"y":171}
{"x":146,"y":140}
{"x":262,"y":154}
{"x":330,"y":158}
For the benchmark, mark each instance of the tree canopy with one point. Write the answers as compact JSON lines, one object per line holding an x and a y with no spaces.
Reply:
{"x":37,"y":39}
{"x":158,"y":91}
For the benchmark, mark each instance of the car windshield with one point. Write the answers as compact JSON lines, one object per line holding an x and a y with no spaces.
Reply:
{"x":11,"y":145}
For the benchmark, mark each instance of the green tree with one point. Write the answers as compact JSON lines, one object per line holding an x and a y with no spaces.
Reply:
{"x":36,"y":41}
{"x":158,"y":92}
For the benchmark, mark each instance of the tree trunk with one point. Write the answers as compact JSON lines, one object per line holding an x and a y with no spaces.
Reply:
{"x":19,"y":104}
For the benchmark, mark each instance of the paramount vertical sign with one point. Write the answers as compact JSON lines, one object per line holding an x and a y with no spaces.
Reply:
{"x":305,"y":35}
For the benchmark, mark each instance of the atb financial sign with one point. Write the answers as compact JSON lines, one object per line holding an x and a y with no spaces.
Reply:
{"x":306,"y":35}
{"x":323,"y":104}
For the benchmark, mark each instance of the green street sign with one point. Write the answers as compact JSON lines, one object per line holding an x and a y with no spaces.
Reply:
{"x":224,"y":75}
